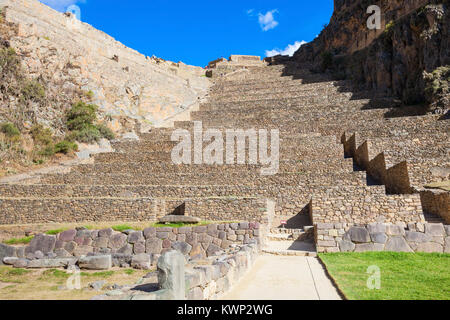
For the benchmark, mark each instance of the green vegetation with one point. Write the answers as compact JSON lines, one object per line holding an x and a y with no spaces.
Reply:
{"x":10,"y":275}
{"x":54,"y":232}
{"x":33,"y":91}
{"x":14,"y":241}
{"x":129,"y":271}
{"x":89,"y":94}
{"x":437,"y":87}
{"x":81,"y":120}
{"x":404,"y":276}
{"x":102,"y":274}
{"x":122,"y":227}
{"x":10,"y":130}
{"x":65,"y":147}
{"x":389,"y":27}
{"x":41,"y":135}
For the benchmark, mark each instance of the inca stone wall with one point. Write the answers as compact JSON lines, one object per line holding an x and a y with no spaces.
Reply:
{"x":127,"y":85}
{"x":416,"y":237}
{"x":194,"y":242}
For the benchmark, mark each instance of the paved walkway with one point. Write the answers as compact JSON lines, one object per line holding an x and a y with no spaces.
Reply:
{"x":284,"y":278}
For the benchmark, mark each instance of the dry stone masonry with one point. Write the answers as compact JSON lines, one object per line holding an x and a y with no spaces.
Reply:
{"x":103,"y":249}
{"x":348,"y":159}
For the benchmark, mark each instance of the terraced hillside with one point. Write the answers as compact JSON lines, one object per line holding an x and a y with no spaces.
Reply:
{"x":389,"y":157}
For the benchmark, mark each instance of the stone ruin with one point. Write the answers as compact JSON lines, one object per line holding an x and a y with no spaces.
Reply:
{"x":355,"y":173}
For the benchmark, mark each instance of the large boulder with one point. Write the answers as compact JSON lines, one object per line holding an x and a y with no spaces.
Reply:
{"x":141,"y":261}
{"x":171,"y":274}
{"x":41,"y":242}
{"x":51,"y":263}
{"x":6,"y":251}
{"x":95,"y":262}
{"x":397,"y":244}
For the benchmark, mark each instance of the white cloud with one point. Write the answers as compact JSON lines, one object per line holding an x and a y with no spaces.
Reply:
{"x":61,"y":5}
{"x":288,"y":51}
{"x":267,"y":21}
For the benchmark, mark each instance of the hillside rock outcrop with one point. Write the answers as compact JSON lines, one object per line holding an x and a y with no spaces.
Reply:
{"x":413,"y":39}
{"x":68,"y":56}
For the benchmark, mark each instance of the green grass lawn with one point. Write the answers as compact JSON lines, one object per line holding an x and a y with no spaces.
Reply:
{"x":404,"y":276}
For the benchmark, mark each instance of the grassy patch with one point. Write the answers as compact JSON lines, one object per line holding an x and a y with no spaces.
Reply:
{"x":54,"y":232}
{"x":122,"y":228}
{"x":404,"y":276}
{"x":14,"y":241}
{"x":100,"y":274}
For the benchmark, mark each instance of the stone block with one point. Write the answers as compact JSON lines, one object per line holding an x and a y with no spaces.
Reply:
{"x":346,"y":246}
{"x":171,"y":270}
{"x":379,"y":238}
{"x":412,"y":236}
{"x":359,"y":234}
{"x":447,"y":245}
{"x":397,"y":244}
{"x":395,"y":230}
{"x":117,"y":241}
{"x":141,"y":261}
{"x":376,"y":228}
{"x":105,"y":232}
{"x":126,"y":249}
{"x":435,"y":229}
{"x":51,"y":263}
{"x":41,"y":242}
{"x":6,"y":251}
{"x":149,"y":233}
{"x":95,"y":262}
{"x":213,"y":250}
{"x":101,"y":242}
{"x":139,"y":247}
{"x":182,"y":247}
{"x":135,"y":236}
{"x":68,"y":235}
{"x":430,"y":247}
{"x":325,"y":243}
{"x":119,"y":259}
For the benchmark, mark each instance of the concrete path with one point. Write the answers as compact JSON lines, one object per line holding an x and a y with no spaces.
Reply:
{"x":284,"y":278}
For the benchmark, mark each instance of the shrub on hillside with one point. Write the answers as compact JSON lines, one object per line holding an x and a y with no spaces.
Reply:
{"x":88,"y":134}
{"x":81,"y":115}
{"x":41,"y":135}
{"x":65,"y":147}
{"x":437,"y":87}
{"x":81,"y":121}
{"x":10,"y":130}
{"x":33,"y":91}
{"x":106,"y":132}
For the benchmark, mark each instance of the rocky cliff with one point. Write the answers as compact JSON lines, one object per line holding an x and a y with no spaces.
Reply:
{"x":50,"y":60}
{"x":408,"y":57}
{"x":70,"y":58}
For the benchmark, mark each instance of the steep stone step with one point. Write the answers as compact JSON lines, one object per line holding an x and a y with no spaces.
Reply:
{"x":276,"y":86}
{"x":255,"y":179}
{"x":291,"y":248}
{"x":342,"y":111}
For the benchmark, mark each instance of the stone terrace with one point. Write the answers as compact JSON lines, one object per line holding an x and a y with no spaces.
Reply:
{"x":318,"y":120}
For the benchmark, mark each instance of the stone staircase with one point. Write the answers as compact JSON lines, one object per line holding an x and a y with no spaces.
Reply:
{"x":315,"y":182}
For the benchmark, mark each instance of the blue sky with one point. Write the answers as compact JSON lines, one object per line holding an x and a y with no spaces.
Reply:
{"x":199,"y":31}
